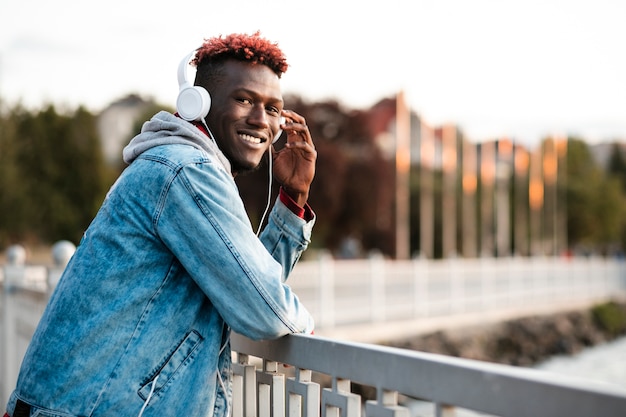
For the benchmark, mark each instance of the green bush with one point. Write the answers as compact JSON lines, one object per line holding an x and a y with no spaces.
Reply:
{"x":610,"y":317}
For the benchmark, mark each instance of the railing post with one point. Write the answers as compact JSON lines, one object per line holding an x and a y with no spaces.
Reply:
{"x":303,"y":395}
{"x":16,"y":255}
{"x":13,"y":273}
{"x":386,"y":405}
{"x":377,"y":287}
{"x":457,"y":287}
{"x":244,"y":387}
{"x":270,"y":391}
{"x":62,"y":252}
{"x":516,"y":274}
{"x":421,"y":293}
{"x":339,"y":401}
{"x":487,"y":280}
{"x":326,"y":291}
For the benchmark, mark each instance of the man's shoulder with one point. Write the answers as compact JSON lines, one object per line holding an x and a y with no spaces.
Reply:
{"x":178,"y":153}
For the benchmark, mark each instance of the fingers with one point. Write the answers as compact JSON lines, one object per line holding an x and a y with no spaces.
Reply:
{"x":293,"y":117}
{"x":296,"y":128}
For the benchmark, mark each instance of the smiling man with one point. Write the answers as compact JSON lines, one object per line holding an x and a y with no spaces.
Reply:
{"x":139,"y":323}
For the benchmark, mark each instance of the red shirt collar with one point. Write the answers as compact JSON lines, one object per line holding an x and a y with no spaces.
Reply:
{"x":197,"y":124}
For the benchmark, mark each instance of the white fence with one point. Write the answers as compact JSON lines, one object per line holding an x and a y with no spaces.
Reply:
{"x":24,"y":292}
{"x":365,"y":292}
{"x":349,"y":294}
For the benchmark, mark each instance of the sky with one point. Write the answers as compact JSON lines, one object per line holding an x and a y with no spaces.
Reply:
{"x":521,"y":69}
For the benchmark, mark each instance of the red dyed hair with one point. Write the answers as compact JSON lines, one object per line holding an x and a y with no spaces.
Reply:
{"x":242,"y":47}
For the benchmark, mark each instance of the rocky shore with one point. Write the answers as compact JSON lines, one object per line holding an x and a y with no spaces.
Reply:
{"x":529,"y":340}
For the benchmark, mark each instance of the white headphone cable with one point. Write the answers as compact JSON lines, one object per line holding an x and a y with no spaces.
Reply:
{"x":154,"y":381}
{"x":208,"y":130}
{"x":269,"y":187}
{"x":269,"y":192}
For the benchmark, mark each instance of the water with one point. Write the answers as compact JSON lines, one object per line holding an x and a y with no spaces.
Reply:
{"x":604,"y":365}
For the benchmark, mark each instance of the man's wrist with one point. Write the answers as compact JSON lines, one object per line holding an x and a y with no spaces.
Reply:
{"x":303,"y":211}
{"x":300,"y":198}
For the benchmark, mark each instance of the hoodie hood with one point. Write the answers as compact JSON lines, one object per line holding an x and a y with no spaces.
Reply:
{"x":165,"y":129}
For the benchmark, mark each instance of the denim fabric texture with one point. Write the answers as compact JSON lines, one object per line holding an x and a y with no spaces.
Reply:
{"x":169,"y":265}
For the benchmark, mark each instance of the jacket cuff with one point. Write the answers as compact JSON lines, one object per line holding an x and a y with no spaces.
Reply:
{"x":305,"y":212}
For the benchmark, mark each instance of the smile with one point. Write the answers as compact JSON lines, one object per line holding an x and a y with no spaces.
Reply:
{"x":251,"y":139}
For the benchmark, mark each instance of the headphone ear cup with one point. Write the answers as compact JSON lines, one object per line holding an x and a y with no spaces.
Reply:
{"x":193,"y":103}
{"x":280,"y":131}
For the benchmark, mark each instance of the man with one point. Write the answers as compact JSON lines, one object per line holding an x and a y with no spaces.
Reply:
{"x":139,"y":323}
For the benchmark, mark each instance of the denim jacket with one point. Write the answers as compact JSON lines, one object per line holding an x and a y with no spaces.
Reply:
{"x":169,"y":265}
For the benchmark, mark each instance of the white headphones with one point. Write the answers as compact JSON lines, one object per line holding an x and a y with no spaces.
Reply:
{"x":194,"y":102}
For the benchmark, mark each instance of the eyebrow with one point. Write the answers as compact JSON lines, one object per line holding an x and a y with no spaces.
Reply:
{"x":271,"y":100}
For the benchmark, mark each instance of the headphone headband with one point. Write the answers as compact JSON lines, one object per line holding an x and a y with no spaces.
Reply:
{"x":182,"y":69}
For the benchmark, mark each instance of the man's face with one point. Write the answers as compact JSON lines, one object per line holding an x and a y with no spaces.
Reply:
{"x":245,"y":112}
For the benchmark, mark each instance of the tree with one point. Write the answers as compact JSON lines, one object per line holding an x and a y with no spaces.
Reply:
{"x":617,"y":169}
{"x":595,"y":218}
{"x":13,"y":195}
{"x":617,"y":164}
{"x":57,"y":176}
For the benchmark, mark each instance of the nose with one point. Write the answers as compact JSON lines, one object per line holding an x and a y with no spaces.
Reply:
{"x":258,"y":117}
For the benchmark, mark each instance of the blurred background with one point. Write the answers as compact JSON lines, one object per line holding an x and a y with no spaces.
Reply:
{"x":444,"y":128}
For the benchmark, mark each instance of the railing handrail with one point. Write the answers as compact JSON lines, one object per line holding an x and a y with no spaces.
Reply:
{"x":475,"y":385}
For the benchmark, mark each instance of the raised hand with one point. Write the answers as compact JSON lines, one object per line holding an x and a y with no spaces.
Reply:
{"x":294,"y":164}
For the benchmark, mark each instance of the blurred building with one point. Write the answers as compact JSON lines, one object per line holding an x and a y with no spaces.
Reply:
{"x":115,"y":125}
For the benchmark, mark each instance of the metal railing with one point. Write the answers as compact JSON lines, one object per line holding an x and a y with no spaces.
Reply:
{"x":329,"y":377}
{"x":399,"y":380}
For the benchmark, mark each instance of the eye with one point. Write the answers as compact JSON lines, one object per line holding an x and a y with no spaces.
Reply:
{"x":244,"y":100}
{"x":273,"y":110}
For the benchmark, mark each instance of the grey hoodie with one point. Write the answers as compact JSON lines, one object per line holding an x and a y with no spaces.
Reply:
{"x":164,"y":129}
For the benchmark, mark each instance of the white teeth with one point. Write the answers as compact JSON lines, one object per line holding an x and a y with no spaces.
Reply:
{"x":249,"y":138}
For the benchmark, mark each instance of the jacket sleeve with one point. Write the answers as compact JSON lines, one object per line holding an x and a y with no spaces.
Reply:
{"x":284,"y":230}
{"x":203,"y":222}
